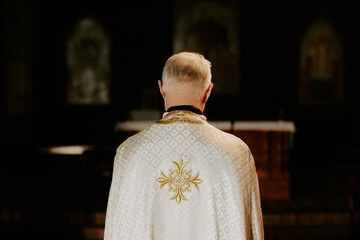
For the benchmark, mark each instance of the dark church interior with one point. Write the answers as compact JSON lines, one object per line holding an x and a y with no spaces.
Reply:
{"x":273,"y":64}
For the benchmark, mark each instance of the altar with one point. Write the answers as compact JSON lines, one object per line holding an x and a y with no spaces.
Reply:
{"x":269,"y":141}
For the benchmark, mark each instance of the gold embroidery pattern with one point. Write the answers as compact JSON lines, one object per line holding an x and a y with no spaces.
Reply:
{"x":181,"y":116}
{"x":179,"y":181}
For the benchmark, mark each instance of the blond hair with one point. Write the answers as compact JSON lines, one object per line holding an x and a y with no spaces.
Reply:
{"x":187,"y":68}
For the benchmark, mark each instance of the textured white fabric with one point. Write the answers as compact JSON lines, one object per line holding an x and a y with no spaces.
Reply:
{"x":213,"y":171}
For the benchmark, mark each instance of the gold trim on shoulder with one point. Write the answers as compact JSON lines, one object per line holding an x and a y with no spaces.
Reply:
{"x":182,"y":116}
{"x":179,"y":180}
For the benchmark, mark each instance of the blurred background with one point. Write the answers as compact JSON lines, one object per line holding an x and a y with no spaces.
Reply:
{"x":74,"y":72}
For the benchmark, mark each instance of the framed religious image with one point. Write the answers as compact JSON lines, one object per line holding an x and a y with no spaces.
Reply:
{"x":88,"y":63}
{"x":321,"y":65}
{"x":211,"y":28}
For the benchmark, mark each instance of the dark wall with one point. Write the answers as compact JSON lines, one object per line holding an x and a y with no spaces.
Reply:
{"x":270,"y":44}
{"x":141,"y":41}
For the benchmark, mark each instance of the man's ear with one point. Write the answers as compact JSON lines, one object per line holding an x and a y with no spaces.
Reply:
{"x":207,"y":93}
{"x":161,"y":88}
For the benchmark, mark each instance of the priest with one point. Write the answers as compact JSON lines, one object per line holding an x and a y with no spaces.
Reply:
{"x":182,"y":178}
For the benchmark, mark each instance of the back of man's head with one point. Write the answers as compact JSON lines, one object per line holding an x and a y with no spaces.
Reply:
{"x":187,"y":69}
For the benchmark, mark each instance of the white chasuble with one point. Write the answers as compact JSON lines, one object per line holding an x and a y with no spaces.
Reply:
{"x":183,"y":179}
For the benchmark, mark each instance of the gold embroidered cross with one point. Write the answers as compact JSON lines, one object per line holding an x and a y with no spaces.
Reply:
{"x":179,"y":181}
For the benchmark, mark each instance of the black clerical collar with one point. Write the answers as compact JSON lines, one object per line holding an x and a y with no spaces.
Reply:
{"x":185,"y":107}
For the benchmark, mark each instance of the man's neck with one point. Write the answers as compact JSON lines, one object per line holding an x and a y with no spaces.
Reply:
{"x":185,"y":107}
{"x":169,"y":104}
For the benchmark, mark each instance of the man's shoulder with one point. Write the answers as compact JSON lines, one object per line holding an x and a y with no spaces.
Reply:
{"x":149,"y":133}
{"x":226,"y":134}
{"x":137,"y":136}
